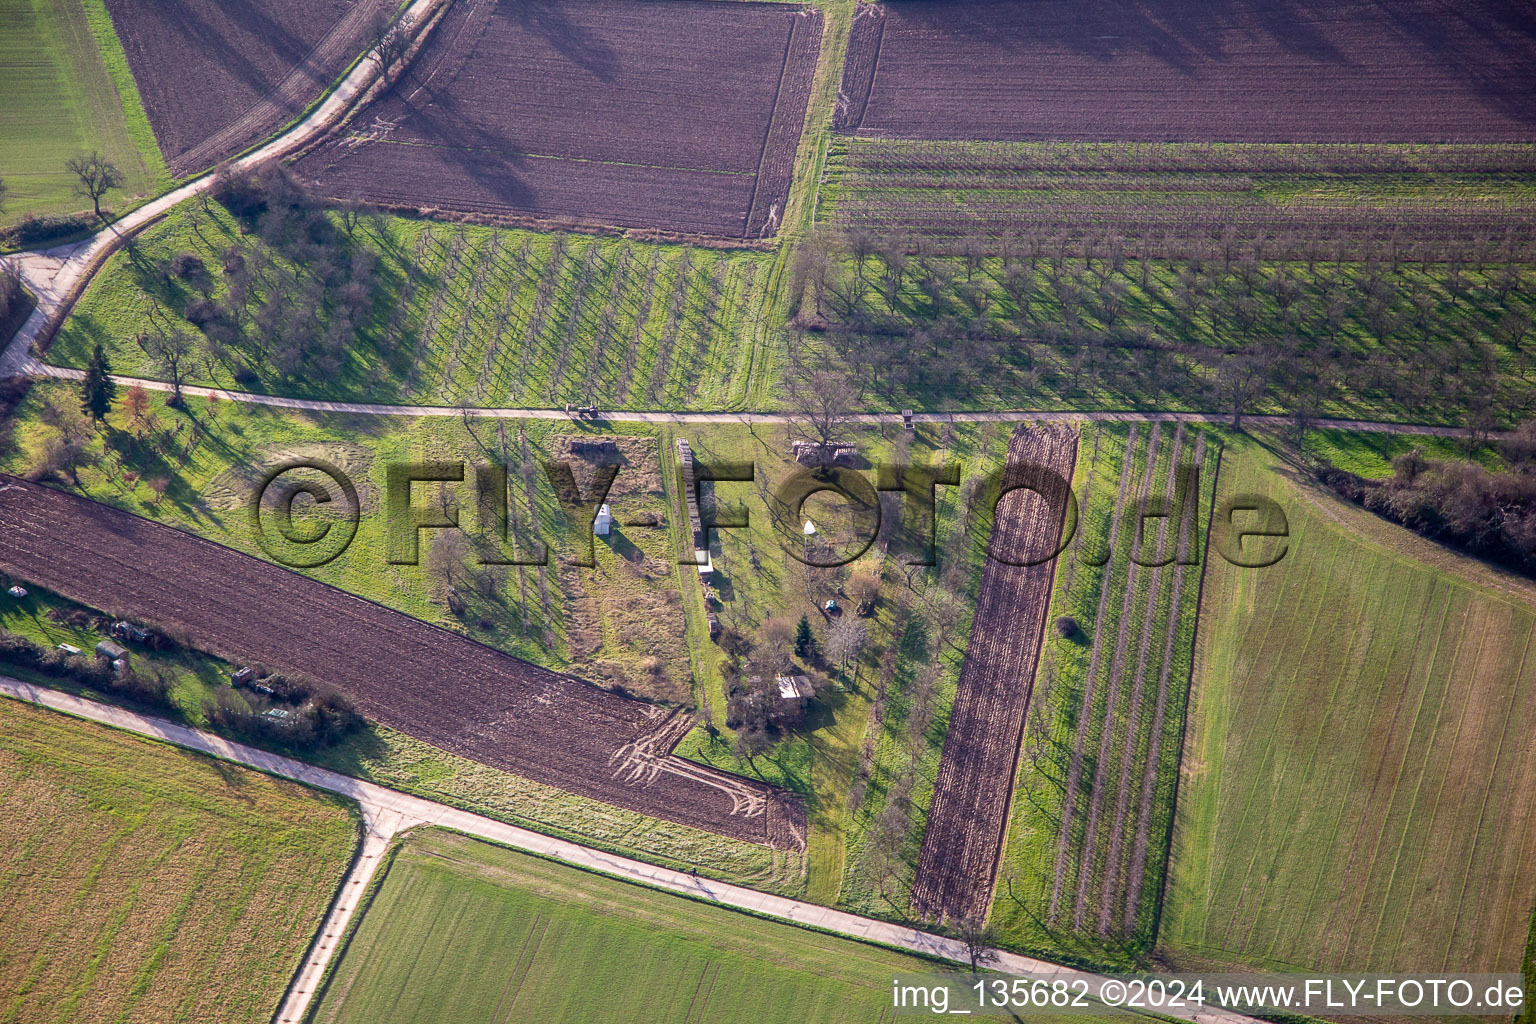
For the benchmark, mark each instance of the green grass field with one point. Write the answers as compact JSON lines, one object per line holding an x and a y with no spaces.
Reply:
{"x":142,"y":882}
{"x":1358,"y":791}
{"x":67,"y":91}
{"x":462,"y":931}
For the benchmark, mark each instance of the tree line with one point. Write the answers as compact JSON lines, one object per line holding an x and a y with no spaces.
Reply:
{"x":1488,"y":513}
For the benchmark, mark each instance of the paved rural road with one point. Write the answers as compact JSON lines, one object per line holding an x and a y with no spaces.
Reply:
{"x":57,"y":276}
{"x":35,"y":367}
{"x":387,"y":812}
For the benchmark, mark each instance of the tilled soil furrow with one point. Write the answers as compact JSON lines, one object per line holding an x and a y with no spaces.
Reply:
{"x":967,"y":816}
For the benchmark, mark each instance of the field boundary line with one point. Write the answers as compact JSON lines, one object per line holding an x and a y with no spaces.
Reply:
{"x":380,"y":800}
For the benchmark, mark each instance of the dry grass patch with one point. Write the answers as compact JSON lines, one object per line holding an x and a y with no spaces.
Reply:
{"x":142,"y":882}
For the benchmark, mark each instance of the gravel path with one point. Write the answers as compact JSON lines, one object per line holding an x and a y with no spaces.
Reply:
{"x":32,"y":366}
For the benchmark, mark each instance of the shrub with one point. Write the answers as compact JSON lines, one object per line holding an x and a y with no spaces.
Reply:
{"x":33,"y":230}
{"x":1066,"y":626}
{"x":188,"y":266}
{"x":322,"y":715}
{"x":243,"y":194}
{"x":201,"y":312}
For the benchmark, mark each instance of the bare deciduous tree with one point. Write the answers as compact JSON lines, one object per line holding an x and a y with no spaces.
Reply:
{"x":97,"y":176}
{"x":1241,"y":379}
{"x":822,"y":400}
{"x":846,"y":642}
{"x":172,"y":350}
{"x":978,"y":937}
{"x":391,"y":42}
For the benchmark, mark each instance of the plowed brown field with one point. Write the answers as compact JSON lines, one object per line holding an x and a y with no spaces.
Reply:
{"x":958,"y":863}
{"x":678,"y":115}
{"x":455,"y":694}
{"x":1236,"y":71}
{"x":217,"y":77}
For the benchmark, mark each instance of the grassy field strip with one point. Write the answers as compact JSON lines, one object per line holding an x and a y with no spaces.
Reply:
{"x":1087,"y":867}
{"x":1285,"y":691}
{"x":1407,"y":767}
{"x":456,"y":314}
{"x":1084,"y":719}
{"x":1495,"y":825}
{"x":1382,"y":755}
{"x":68,"y":91}
{"x":1177,"y":610}
{"x":1132,"y":736}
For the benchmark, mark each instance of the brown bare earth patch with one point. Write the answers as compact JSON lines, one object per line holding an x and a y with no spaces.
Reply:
{"x":958,"y":864}
{"x":217,"y":77}
{"x":451,"y":692}
{"x":1241,"y":71}
{"x":681,"y":115}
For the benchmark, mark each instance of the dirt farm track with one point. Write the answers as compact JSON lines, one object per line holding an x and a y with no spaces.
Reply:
{"x":1201,"y":70}
{"x":456,"y":694}
{"x":956,"y":868}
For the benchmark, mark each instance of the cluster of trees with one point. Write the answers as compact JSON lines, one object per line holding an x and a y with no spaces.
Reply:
{"x":1490,"y":514}
{"x":1226,"y":326}
{"x":290,"y":710}
{"x":294,"y":303}
{"x":755,"y":710}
